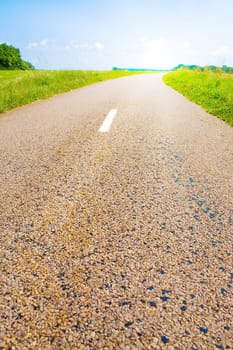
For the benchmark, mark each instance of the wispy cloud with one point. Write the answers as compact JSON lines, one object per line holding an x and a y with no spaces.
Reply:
{"x":37,"y":44}
{"x":74,"y":45}
{"x":53,"y":53}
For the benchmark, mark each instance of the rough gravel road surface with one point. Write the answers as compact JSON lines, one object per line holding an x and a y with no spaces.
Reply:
{"x":117,"y":240}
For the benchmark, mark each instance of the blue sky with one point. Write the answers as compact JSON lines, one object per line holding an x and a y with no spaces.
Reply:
{"x":100,"y":34}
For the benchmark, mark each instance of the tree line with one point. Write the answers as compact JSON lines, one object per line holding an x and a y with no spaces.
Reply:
{"x":212,"y":68}
{"x":10,"y":59}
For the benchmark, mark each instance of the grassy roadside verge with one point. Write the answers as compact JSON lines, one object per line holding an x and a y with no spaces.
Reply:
{"x":212,"y":91}
{"x":18,"y":88}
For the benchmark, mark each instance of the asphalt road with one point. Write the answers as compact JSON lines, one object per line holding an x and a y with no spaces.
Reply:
{"x":116,"y":240}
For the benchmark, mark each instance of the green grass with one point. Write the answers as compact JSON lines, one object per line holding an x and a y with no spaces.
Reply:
{"x":18,"y":88}
{"x":212,"y":91}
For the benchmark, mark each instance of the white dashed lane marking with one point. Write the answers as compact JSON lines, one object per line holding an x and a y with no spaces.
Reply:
{"x":105,"y":127}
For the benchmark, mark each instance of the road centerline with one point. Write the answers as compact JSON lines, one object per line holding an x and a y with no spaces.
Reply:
{"x":105,"y":127}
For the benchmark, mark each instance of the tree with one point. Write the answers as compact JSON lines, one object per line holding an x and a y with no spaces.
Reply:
{"x":227,"y":69}
{"x":10,"y":58}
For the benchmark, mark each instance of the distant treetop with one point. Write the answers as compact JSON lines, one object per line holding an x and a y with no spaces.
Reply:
{"x":10,"y":58}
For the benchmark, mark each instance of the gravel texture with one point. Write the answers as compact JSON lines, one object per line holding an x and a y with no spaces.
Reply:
{"x":120,"y":240}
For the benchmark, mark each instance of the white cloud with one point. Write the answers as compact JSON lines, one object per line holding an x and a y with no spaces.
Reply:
{"x":36,"y":44}
{"x":74,"y":45}
{"x":45,"y":43}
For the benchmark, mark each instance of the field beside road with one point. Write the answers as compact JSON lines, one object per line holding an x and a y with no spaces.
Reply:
{"x":18,"y":88}
{"x":213,"y":91}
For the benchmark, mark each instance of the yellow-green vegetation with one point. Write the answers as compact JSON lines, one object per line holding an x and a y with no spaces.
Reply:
{"x":212,"y":90}
{"x":18,"y":88}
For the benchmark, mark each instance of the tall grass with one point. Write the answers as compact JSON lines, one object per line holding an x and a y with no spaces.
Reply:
{"x":213,"y":91}
{"x":18,"y":88}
